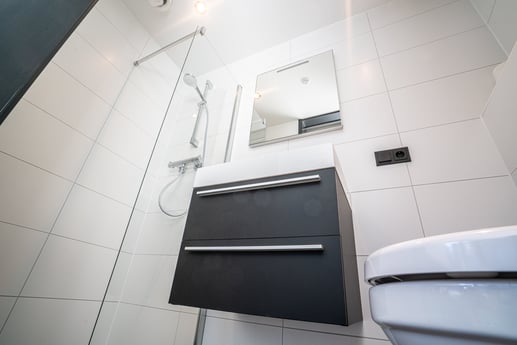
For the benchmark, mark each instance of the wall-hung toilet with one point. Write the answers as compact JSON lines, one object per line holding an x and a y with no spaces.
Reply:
{"x":455,"y":289}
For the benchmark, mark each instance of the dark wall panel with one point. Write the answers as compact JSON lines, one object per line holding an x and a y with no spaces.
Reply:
{"x":31,"y":32}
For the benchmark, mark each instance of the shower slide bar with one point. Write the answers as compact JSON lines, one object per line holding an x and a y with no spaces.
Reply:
{"x":201,"y":31}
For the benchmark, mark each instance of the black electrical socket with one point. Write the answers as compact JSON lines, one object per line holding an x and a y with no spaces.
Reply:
{"x":392,"y":156}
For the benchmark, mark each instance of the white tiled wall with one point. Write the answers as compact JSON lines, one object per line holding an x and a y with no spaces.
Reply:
{"x":410,"y":73}
{"x":72,"y":156}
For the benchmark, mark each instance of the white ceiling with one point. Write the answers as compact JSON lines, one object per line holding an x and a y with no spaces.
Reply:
{"x":239,"y":28}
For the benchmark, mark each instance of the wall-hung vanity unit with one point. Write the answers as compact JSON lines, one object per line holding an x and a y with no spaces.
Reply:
{"x":271,"y":237}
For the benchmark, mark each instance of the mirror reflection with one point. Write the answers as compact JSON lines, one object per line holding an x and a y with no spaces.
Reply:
{"x":298,"y":99}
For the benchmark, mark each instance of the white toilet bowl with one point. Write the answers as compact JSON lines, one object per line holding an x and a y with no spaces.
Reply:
{"x":454,"y":289}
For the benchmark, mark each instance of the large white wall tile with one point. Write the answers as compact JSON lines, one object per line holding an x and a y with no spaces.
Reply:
{"x":229,"y":332}
{"x":503,"y":23}
{"x":70,"y":269}
{"x":108,"y":41}
{"x":354,"y":50}
{"x":245,"y":318}
{"x":111,"y":175}
{"x":367,"y":118}
{"x":85,"y":64}
{"x":160,"y":234}
{"x":483,"y":7}
{"x":357,"y":162}
{"x":398,"y":10}
{"x":452,"y":152}
{"x":467,"y":205}
{"x":187,"y":327}
{"x":360,"y":81}
{"x":456,"y":98}
{"x":30,"y":196}
{"x":149,"y":281}
{"x":94,"y":218}
{"x":459,"y":53}
{"x":324,"y":37}
{"x":499,"y":115}
{"x":56,"y":92}
{"x":103,"y":325}
{"x":137,"y":325}
{"x":50,"y":322}
{"x":6,"y":303}
{"x":384,"y":217}
{"x":125,"y":21}
{"x":36,"y":137}
{"x":454,"y":18}
{"x":118,"y":280}
{"x":298,"y":337}
{"x":122,"y":136}
{"x":19,"y":248}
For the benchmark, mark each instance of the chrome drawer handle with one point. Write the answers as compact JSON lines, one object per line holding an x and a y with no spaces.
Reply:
{"x":261,"y":185}
{"x":279,"y":248}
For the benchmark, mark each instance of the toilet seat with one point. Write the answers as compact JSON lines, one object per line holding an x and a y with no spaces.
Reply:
{"x":486,"y":253}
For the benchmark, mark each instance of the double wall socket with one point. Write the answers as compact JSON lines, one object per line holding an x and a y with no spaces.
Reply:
{"x":392,"y":156}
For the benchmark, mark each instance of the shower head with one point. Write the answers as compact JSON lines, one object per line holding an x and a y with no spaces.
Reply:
{"x":190,"y":80}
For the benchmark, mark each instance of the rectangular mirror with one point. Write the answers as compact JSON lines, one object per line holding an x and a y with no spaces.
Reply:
{"x":296,"y":100}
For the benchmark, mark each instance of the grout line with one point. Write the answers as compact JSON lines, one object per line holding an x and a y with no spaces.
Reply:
{"x":23,"y":226}
{"x":514,"y":170}
{"x":443,"y":77}
{"x":491,"y":12}
{"x":441,"y":125}
{"x":177,"y":310}
{"x":336,"y":333}
{"x":37,"y":167}
{"x":411,"y":16}
{"x":85,"y":242}
{"x":432,"y":41}
{"x":61,"y":298}
{"x":245,"y":321}
{"x":430,"y":183}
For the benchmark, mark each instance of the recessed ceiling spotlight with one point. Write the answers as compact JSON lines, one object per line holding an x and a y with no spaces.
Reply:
{"x":200,"y":6}
{"x":305,"y":80}
{"x":258,"y":95}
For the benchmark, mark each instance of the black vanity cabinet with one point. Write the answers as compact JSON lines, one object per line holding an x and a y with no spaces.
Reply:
{"x":280,"y":246}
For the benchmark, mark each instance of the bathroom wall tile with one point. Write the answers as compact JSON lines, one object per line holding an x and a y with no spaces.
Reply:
{"x":59,"y":94}
{"x":118,"y":280}
{"x":111,"y":175}
{"x":357,"y":161}
{"x":123,"y":137}
{"x":298,"y":337}
{"x":161,"y":234}
{"x":149,"y":281}
{"x":379,"y":220}
{"x":50,"y":322}
{"x":94,"y":218}
{"x":103,"y":326}
{"x":152,"y":82}
{"x":455,"y":54}
{"x":467,"y":205}
{"x":133,"y":231}
{"x":107,"y":40}
{"x":456,"y":98}
{"x":30,"y":196}
{"x":398,"y":10}
{"x":330,"y":34}
{"x":19,"y":248}
{"x":503,"y":24}
{"x":85,"y":64}
{"x":36,"y":137}
{"x":70,"y":269}
{"x":367,"y":118}
{"x":140,"y":109}
{"x":125,"y":21}
{"x":266,"y":60}
{"x":162,"y":62}
{"x":499,"y":115}
{"x":229,"y":332}
{"x":187,"y":327}
{"x":136,"y":325}
{"x":483,"y":7}
{"x":454,"y":18}
{"x":360,"y":81}
{"x":354,"y":50}
{"x":363,"y":329}
{"x":457,"y":151}
{"x":6,"y":303}
{"x":245,"y":318}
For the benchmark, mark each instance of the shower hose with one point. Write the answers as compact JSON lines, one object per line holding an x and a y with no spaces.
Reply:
{"x":181,"y":172}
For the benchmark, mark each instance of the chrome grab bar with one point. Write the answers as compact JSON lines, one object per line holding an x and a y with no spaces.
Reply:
{"x":260,"y":185}
{"x":273,"y":248}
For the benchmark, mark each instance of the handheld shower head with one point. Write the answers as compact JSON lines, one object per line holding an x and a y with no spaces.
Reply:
{"x":190,"y":80}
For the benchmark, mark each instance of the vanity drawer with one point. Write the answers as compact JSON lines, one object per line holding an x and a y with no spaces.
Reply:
{"x":301,"y":204}
{"x":293,"y":278}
